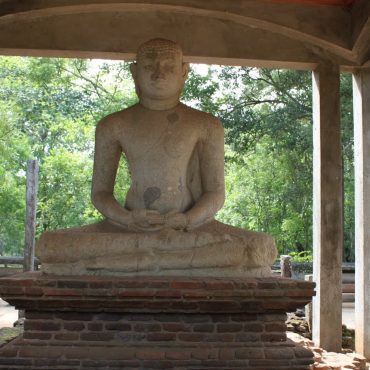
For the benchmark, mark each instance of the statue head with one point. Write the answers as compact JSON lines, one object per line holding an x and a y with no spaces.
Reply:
{"x":159,"y":72}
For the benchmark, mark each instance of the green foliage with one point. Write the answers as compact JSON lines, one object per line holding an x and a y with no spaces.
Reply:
{"x":348,"y":168}
{"x":14,"y":149}
{"x":268,"y":126}
{"x":266,"y":192}
{"x":267,"y":115}
{"x":65,"y":182}
{"x":49,"y":109}
{"x":304,"y":256}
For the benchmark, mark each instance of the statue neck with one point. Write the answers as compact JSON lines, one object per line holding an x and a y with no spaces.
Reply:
{"x":158,"y":104}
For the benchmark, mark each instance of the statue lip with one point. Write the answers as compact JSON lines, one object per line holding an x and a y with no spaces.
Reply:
{"x":159,"y":85}
{"x":161,"y":81}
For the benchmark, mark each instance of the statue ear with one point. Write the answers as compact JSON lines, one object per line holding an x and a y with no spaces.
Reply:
{"x":133,"y":69}
{"x":185,"y":70}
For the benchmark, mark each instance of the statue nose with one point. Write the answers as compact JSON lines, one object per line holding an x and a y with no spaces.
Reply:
{"x":158,"y":72}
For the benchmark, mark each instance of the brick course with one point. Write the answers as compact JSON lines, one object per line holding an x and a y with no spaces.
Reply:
{"x":83,"y":323}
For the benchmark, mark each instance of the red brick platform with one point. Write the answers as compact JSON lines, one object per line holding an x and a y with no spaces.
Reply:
{"x":91,"y":322}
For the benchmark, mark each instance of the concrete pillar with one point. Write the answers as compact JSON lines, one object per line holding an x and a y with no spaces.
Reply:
{"x":327,"y":208}
{"x":361,"y":107}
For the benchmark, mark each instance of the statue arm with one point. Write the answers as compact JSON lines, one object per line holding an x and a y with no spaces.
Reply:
{"x":106,"y":160}
{"x":211,"y":161}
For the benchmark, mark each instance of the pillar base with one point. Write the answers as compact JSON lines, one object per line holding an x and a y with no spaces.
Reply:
{"x":89,"y":322}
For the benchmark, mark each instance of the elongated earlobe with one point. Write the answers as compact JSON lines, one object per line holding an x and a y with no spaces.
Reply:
{"x":133,"y":69}
{"x":185,"y":70}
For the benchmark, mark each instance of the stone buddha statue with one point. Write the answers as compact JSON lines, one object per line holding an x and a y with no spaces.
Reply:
{"x":175,"y":156}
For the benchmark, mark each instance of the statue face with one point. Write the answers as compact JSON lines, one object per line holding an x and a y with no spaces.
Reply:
{"x":159,"y":75}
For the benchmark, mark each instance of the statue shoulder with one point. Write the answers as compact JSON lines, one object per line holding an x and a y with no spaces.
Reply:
{"x":114,"y":121}
{"x":207,"y":120}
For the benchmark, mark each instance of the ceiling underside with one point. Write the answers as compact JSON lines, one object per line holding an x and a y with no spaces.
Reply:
{"x":346,"y":3}
{"x":277,"y":33}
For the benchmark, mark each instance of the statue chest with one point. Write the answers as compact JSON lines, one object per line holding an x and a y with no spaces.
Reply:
{"x":166,"y":142}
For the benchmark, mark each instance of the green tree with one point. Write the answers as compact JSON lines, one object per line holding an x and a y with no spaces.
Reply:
{"x":268,"y":126}
{"x":14,"y":149}
{"x":49,"y":109}
{"x":348,"y":167}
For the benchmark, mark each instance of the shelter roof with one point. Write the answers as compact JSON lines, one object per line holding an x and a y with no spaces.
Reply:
{"x":279,"y":33}
{"x":347,"y":3}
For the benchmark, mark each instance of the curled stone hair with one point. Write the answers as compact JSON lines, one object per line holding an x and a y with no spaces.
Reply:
{"x":155,"y":47}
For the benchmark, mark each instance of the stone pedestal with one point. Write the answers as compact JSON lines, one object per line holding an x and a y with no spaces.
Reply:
{"x":90,"y":322}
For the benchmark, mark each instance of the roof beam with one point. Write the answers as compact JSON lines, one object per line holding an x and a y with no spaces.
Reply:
{"x":297,"y":33}
{"x":361,"y":31}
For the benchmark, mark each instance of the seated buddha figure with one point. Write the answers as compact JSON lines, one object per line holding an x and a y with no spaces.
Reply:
{"x":175,"y":156}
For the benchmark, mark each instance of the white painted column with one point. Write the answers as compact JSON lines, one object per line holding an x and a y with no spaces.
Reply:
{"x":361,"y":107}
{"x":327,"y":208}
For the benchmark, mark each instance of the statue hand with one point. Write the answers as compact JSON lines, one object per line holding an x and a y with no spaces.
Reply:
{"x":176,"y":220}
{"x":146,"y":220}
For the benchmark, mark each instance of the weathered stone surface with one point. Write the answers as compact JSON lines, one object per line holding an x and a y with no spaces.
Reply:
{"x":176,"y":158}
{"x":214,"y":249}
